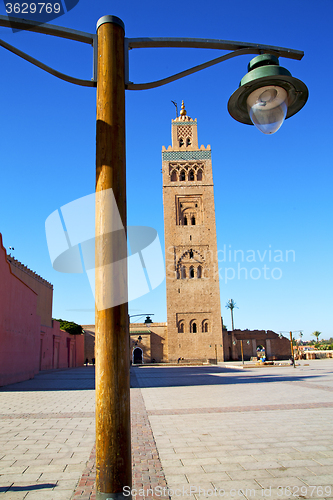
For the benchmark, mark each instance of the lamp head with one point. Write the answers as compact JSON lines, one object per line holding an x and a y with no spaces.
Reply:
{"x":267,"y":95}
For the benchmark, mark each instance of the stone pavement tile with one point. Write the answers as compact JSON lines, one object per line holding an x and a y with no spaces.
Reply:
{"x":173,"y":463}
{"x":240,"y":452}
{"x":191,"y":488}
{"x":221,"y":494}
{"x":226,"y":466}
{"x":6,"y":463}
{"x":291,"y":471}
{"x":45,"y":468}
{"x":39,"y":461}
{"x":325,"y":461}
{"x":198,"y":461}
{"x":328,"y":453}
{"x":297,"y":463}
{"x":271,"y":456}
{"x":295,"y":455}
{"x":297,"y":492}
{"x":313,"y":448}
{"x":238,"y":459}
{"x":206,"y":477}
{"x":191,"y":469}
{"x":320,"y":470}
{"x":194,"y":449}
{"x":177,"y":479}
{"x":74,"y":467}
{"x":250,"y":484}
{"x":76,"y":460}
{"x":55,"y":476}
{"x":280,"y":481}
{"x":172,"y":456}
{"x":207,"y":454}
{"x":14,"y":469}
{"x":66,"y":484}
{"x":325,"y":479}
{"x":13,"y":495}
{"x":14,"y":478}
{"x":176,"y":496}
{"x":49,"y":495}
{"x":237,"y":475}
{"x":260,"y":465}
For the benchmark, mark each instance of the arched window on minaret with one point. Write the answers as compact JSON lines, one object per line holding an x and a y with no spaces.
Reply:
{"x":182,"y":175}
{"x":181,"y":142}
{"x":174,"y":175}
{"x":191,"y":176}
{"x":199,"y":175}
{"x":193,"y":327}
{"x":188,"y":142}
{"x":181,"y":327}
{"x":191,"y":272}
{"x":193,"y":221}
{"x":199,"y":272}
{"x":185,"y":221}
{"x":183,"y":272}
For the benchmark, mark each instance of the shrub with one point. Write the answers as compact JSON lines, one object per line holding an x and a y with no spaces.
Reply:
{"x":70,"y":327}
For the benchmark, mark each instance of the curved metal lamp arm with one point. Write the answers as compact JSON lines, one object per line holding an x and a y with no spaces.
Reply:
{"x":195,"y":69}
{"x":238,"y":48}
{"x":47,"y":29}
{"x":48,"y":69}
{"x":51,"y":29}
{"x":210,"y":43}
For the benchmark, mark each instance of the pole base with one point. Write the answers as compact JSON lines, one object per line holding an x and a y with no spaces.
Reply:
{"x":112,"y":496}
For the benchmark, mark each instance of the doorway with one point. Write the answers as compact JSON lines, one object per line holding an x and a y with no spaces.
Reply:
{"x":137,"y":356}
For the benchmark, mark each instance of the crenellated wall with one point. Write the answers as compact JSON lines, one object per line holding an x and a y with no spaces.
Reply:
{"x":43,"y":288}
{"x":26,"y":345}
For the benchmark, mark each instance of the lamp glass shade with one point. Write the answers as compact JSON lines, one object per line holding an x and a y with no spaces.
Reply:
{"x":267,"y":107}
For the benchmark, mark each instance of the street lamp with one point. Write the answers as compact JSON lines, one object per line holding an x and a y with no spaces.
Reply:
{"x":267,"y":95}
{"x":111,"y":77}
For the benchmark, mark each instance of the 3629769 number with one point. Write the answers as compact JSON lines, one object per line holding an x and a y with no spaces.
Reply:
{"x":33,"y":8}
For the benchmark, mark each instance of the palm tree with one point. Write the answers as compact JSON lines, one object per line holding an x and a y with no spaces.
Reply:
{"x":231,"y":304}
{"x":316,"y":334}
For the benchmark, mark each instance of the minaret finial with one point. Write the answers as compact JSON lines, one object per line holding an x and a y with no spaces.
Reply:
{"x":183,"y":110}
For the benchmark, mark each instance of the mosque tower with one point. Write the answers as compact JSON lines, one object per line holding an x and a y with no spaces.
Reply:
{"x":192,"y":278}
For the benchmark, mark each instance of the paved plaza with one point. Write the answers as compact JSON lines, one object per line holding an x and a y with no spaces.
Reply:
{"x":197,"y":432}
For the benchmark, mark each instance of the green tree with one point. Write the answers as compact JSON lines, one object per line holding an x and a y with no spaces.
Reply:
{"x":70,"y":327}
{"x":316,"y":334}
{"x":231,"y":304}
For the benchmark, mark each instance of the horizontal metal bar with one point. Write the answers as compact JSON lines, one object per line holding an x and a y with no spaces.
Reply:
{"x":207,"y":43}
{"x":54,"y":72}
{"x":177,"y":76}
{"x":47,"y":29}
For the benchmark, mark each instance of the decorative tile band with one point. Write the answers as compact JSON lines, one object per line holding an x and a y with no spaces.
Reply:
{"x":186,"y":155}
{"x":185,"y":123}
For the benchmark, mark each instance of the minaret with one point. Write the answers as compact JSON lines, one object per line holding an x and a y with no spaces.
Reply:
{"x":192,"y":278}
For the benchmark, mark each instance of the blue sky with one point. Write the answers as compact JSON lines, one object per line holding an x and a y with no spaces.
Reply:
{"x":272,"y":193}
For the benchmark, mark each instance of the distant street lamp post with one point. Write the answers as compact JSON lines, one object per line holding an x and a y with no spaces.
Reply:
{"x":267,"y":95}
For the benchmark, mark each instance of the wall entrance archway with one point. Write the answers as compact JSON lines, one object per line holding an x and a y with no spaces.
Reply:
{"x":137,"y":356}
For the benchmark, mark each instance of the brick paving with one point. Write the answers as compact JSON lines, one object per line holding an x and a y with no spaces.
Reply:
{"x":147,"y":470}
{"x":198,"y":431}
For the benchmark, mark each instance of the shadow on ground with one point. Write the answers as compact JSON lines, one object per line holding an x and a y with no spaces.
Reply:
{"x":146,"y":377}
{"x":71,"y":379}
{"x":31,"y":487}
{"x":83,"y":378}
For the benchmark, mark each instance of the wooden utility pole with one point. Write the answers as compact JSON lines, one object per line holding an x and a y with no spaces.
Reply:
{"x":113,"y":437}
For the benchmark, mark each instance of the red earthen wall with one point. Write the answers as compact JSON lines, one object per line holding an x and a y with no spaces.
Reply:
{"x":26,"y":346}
{"x":19,"y":326}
